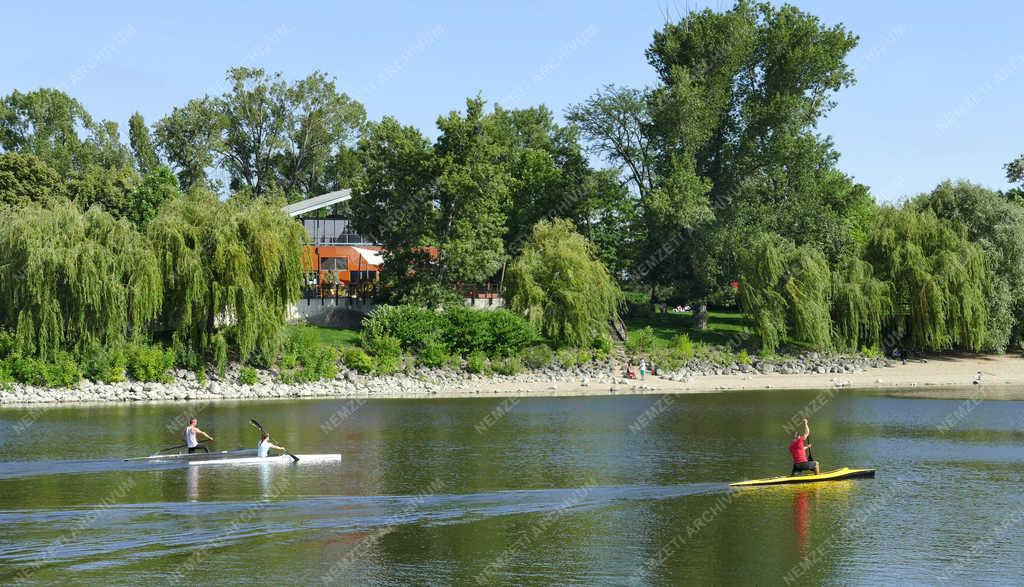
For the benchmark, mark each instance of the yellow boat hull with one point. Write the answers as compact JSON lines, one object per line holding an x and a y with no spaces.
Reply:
{"x":844,"y":473}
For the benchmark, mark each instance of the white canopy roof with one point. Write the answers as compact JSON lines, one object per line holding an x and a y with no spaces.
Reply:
{"x":370,"y":256}
{"x":321,"y":201}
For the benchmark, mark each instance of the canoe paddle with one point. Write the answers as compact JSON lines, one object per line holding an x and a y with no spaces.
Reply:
{"x":257,"y":424}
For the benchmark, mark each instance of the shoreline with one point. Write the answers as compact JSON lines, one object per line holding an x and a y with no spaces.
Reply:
{"x":948,"y":376}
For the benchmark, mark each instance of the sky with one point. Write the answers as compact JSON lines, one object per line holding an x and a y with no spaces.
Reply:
{"x":939,"y":92}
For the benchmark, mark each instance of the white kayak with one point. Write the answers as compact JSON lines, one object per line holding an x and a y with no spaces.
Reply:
{"x":271,"y":460}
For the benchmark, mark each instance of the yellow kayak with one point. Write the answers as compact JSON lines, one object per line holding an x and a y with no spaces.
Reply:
{"x":844,"y":473}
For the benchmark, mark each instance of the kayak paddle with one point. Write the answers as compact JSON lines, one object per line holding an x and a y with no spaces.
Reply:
{"x":257,"y":424}
{"x":179,"y":446}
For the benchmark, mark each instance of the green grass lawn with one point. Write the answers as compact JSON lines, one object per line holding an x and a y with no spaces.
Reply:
{"x":336,"y":337}
{"x":723,"y":328}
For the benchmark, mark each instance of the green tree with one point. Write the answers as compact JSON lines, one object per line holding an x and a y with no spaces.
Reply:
{"x":69,"y":279}
{"x":188,"y":137}
{"x":731,"y":129}
{"x":146,"y":159}
{"x":561,"y":286}
{"x":109,"y":188}
{"x":440,"y":211}
{"x":786,"y":291}
{"x":473,"y":196}
{"x":25,"y":178}
{"x":268,"y":136}
{"x":47,"y":123}
{"x":941,"y":280}
{"x":157,"y":187}
{"x":997,"y":226}
{"x":238,"y":260}
{"x":393,"y":202}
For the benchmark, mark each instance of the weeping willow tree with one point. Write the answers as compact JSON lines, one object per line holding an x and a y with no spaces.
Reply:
{"x":785,"y":290}
{"x":235,"y":262}
{"x":940,"y":279}
{"x":561,"y":286}
{"x":861,"y":305}
{"x":69,"y":279}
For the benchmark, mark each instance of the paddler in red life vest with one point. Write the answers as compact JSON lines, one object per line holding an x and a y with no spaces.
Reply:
{"x":798,"y":448}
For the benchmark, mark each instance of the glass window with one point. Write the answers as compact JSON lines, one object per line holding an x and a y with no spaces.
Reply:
{"x":334,"y":263}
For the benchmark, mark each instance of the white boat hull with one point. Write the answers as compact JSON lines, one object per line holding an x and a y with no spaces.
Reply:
{"x":271,"y":460}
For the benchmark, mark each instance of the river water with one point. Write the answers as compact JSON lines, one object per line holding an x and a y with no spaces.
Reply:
{"x":594,"y":491}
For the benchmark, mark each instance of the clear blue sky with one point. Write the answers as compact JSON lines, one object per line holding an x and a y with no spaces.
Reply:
{"x":940,"y":85}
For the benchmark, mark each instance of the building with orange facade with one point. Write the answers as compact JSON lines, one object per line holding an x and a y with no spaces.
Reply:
{"x":337,"y":259}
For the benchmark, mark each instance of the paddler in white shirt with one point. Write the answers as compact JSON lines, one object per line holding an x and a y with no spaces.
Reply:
{"x":265,"y":445}
{"x":190,"y":437}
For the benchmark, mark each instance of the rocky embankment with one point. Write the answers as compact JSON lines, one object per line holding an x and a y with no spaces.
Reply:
{"x":600,"y":377}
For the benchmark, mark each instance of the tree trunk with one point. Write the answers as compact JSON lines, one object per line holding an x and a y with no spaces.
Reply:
{"x":700,"y":317}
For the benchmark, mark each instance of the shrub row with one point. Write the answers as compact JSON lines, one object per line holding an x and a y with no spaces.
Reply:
{"x":143,"y":362}
{"x":457,"y":331}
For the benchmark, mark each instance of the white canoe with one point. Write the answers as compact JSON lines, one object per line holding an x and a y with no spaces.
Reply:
{"x":271,"y":460}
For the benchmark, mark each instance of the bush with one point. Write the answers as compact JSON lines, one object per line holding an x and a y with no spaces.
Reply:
{"x":498,"y":333}
{"x":413,"y":326}
{"x":460,"y":330}
{"x":584,"y":356}
{"x":743,"y":357}
{"x":105,"y":365}
{"x":382,"y":346}
{"x":872,"y":352}
{"x":466,"y":331}
{"x":683,"y":347}
{"x":509,"y":333}
{"x":386,"y":364}
{"x":248,"y":376}
{"x":357,"y":360}
{"x":63,"y":371}
{"x":6,"y":343}
{"x":538,"y":356}
{"x":567,"y":358}
{"x":304,"y":358}
{"x":509,"y":366}
{"x":602,"y":343}
{"x":434,"y":355}
{"x":220,"y":354}
{"x":476,"y":362}
{"x":149,"y":363}
{"x":641,"y":341}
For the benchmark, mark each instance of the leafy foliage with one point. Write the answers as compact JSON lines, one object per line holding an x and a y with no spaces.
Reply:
{"x":356,"y":359}
{"x":69,"y":279}
{"x":25,"y":178}
{"x":238,"y":258}
{"x":785,"y":289}
{"x":476,"y":362}
{"x":561,"y":287}
{"x":150,"y":363}
{"x":248,"y":376}
{"x":941,"y":280}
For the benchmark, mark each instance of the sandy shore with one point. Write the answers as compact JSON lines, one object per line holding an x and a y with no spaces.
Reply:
{"x":948,"y":376}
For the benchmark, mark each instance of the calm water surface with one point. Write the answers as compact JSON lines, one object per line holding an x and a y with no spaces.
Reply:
{"x":537,"y":492}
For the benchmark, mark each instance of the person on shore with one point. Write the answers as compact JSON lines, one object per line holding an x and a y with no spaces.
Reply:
{"x":191,"y":443}
{"x":798,"y":448}
{"x":263,"y":449}
{"x":643,"y":368}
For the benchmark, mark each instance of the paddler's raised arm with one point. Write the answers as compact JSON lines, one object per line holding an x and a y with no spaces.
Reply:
{"x":807,"y":429}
